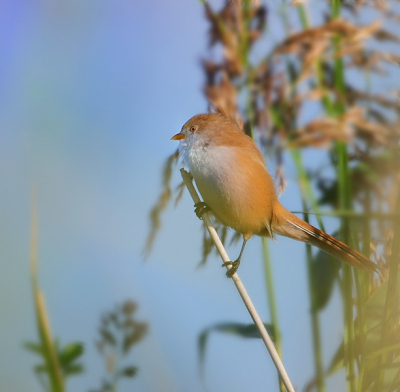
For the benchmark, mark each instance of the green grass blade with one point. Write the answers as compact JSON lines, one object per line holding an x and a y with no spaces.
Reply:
{"x":46,"y":341}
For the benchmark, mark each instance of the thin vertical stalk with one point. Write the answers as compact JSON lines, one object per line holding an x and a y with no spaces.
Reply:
{"x":304,"y":20}
{"x":52,"y":365}
{"x":348,"y":328}
{"x":318,"y":363}
{"x":244,"y":34}
{"x":272,"y":302}
{"x":362,"y":287}
{"x":308,"y":194}
{"x":344,"y":203}
{"x":305,"y":186}
{"x":392,"y":294}
{"x":347,"y":281}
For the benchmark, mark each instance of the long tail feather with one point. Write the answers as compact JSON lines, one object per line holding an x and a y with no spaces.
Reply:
{"x":293,"y":227}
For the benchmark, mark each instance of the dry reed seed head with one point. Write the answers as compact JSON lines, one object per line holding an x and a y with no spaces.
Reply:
{"x":223,"y":96}
{"x":227,"y":28}
{"x":258,"y":15}
{"x":354,"y":94}
{"x":384,"y":35}
{"x":227,"y":25}
{"x":320,"y":133}
{"x":354,"y":123}
{"x":367,"y":60}
{"x":377,"y":134}
{"x":222,"y":24}
{"x":314,"y":42}
{"x":211,"y":69}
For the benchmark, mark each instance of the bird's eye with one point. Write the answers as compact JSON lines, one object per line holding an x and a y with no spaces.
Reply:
{"x":193,"y":128}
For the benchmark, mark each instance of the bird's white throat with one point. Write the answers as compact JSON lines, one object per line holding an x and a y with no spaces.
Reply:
{"x":206,"y":160}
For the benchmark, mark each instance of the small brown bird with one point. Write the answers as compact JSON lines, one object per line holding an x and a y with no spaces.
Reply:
{"x":233,"y":180}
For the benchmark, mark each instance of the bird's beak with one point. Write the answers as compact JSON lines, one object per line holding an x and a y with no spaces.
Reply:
{"x":178,"y":136}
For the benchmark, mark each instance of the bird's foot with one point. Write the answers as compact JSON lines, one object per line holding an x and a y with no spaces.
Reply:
{"x":201,"y":208}
{"x":234,"y":267}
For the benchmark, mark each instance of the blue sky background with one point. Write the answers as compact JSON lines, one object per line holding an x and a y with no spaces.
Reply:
{"x":90,"y":94}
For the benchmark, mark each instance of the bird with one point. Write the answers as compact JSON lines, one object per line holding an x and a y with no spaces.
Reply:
{"x":233,"y":180}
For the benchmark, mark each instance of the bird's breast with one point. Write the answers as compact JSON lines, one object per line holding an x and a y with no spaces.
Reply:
{"x":236,"y":186}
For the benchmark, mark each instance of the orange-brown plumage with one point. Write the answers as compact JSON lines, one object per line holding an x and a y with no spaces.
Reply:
{"x":233,"y":180}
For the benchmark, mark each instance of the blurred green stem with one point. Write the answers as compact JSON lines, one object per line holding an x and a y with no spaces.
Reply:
{"x":392,"y":296}
{"x":319,"y":369}
{"x":272,"y":302}
{"x":345,"y":202}
{"x":362,"y":288}
{"x":305,"y":186}
{"x":244,"y":46}
{"x":52,"y":364}
{"x":267,"y":260}
{"x":308,"y":194}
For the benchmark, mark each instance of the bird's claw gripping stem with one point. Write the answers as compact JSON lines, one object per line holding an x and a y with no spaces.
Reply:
{"x":234,"y":267}
{"x":201,"y":208}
